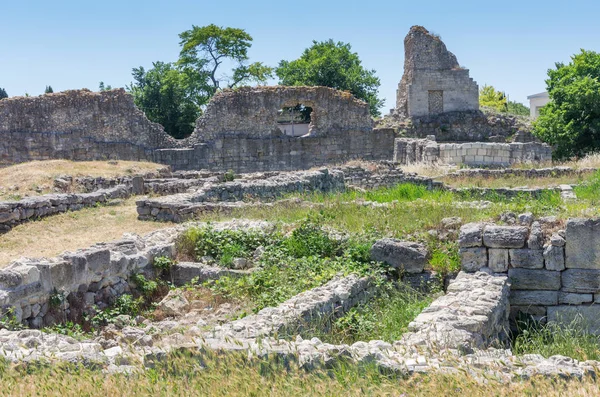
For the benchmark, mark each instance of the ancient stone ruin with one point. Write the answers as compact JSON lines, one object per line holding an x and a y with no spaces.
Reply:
{"x":433,"y":82}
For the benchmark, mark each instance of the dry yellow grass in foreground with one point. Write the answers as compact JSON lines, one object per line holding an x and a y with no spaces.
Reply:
{"x":69,"y":231}
{"x":37,"y":177}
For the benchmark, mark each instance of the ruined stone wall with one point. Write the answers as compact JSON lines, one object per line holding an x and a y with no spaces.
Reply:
{"x":78,"y":125}
{"x":555,"y":274}
{"x":433,"y":82}
{"x":407,"y":150}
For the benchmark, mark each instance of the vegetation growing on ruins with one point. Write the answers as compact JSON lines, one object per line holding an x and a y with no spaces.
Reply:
{"x":491,"y":98}
{"x":3,"y":93}
{"x":571,"y":120}
{"x":331,"y":64}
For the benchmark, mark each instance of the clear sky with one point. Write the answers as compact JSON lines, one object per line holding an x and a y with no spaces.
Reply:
{"x":75,"y":44}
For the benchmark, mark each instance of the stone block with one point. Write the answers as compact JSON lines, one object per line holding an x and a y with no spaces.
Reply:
{"x":537,"y":313}
{"x":470,"y":235}
{"x":554,"y":258}
{"x":586,"y":316}
{"x":567,"y":298}
{"x":504,"y":236}
{"x":543,"y":298}
{"x":498,"y":259}
{"x":535,"y":241}
{"x":533,"y":279}
{"x":473,"y":259}
{"x":581,"y":280}
{"x":527,"y":258}
{"x":408,"y":256}
{"x":582,"y":249}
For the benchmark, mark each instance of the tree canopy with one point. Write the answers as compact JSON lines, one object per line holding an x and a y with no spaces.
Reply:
{"x":168,"y":96}
{"x":3,"y":93}
{"x":571,"y":120}
{"x":497,"y":100}
{"x":103,"y":87}
{"x":334,"y":65}
{"x":48,"y":90}
{"x":205,"y":49}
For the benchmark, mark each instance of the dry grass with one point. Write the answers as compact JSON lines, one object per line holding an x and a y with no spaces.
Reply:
{"x":69,"y":231}
{"x":513,"y":181}
{"x":429,"y":169}
{"x":37,"y":177}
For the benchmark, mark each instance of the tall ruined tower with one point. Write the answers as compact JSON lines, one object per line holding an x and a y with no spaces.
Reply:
{"x":433,"y":82}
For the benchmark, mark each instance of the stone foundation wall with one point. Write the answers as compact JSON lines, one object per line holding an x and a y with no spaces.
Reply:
{"x":555,"y":274}
{"x":408,"y":150}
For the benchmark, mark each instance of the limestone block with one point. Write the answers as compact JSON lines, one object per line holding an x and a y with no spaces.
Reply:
{"x":543,"y":298}
{"x":587,"y":316}
{"x":567,"y":298}
{"x":581,"y":280}
{"x":498,"y":259}
{"x":527,"y":258}
{"x":504,"y":236}
{"x":536,"y":237}
{"x":554,"y":257}
{"x":530,"y":279}
{"x":473,"y":259}
{"x":537,"y":313}
{"x":408,"y":256}
{"x":582,"y":250}
{"x":471,"y":235}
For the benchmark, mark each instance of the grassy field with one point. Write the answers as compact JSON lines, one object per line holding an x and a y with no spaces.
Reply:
{"x":37,"y":177}
{"x":72,"y":230}
{"x":235,"y":375}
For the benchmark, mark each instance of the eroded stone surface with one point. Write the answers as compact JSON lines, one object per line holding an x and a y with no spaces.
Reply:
{"x":404,"y":255}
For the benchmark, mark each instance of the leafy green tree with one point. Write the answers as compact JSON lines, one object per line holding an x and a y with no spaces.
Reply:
{"x":48,"y":90}
{"x":102,"y":87}
{"x":333,"y":65}
{"x":571,"y":120}
{"x":168,"y":96}
{"x":3,"y":93}
{"x":517,"y":108}
{"x":489,"y":97}
{"x":205,"y":50}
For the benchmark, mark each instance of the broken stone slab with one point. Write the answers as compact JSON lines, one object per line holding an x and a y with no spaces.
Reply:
{"x":535,"y":241}
{"x":473,"y":259}
{"x":174,"y":304}
{"x":581,"y":280}
{"x":527,"y":258}
{"x":534,"y":279}
{"x":504,"y":236}
{"x":582,"y":249}
{"x":498,"y":259}
{"x":405,"y":255}
{"x":184,"y":272}
{"x":471,"y":235}
{"x":554,"y":257}
{"x":567,"y":298}
{"x":587,"y":317}
{"x":534,"y":298}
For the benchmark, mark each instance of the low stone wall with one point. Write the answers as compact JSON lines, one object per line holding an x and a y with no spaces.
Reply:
{"x":382,"y":174}
{"x":550,"y":172}
{"x":555,"y":274}
{"x":180,"y":207}
{"x":407,"y":150}
{"x":15,"y":212}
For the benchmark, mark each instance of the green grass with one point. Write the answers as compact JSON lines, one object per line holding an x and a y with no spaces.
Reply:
{"x":384,"y":317}
{"x":571,"y":340}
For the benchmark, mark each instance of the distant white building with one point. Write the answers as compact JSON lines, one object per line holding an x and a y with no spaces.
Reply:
{"x":536,"y":102}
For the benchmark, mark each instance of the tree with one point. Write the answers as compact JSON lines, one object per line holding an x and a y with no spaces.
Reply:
{"x":102,"y":87}
{"x":571,"y":120}
{"x":333,"y":65}
{"x":48,"y":90}
{"x":489,"y":97}
{"x":3,"y":93}
{"x":168,"y":96}
{"x":205,"y":49}
{"x":517,"y":108}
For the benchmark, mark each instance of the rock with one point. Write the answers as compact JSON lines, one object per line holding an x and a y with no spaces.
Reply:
{"x":543,"y":298}
{"x":566,"y":298}
{"x":504,"y":236}
{"x":451,"y":223}
{"x":557,"y":240}
{"x":525,"y":219}
{"x":527,"y":258}
{"x":174,"y":304}
{"x":526,"y":279}
{"x":581,"y":280}
{"x":473,"y":259}
{"x":554,"y":257}
{"x":582,"y":249}
{"x":536,"y":237}
{"x":508,"y":217}
{"x":471,"y":235}
{"x":407,"y":256}
{"x":566,"y":315}
{"x":241,"y":263}
{"x":498,"y":259}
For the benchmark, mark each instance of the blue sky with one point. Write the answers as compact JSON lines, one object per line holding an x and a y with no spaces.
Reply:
{"x":76,"y":44}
